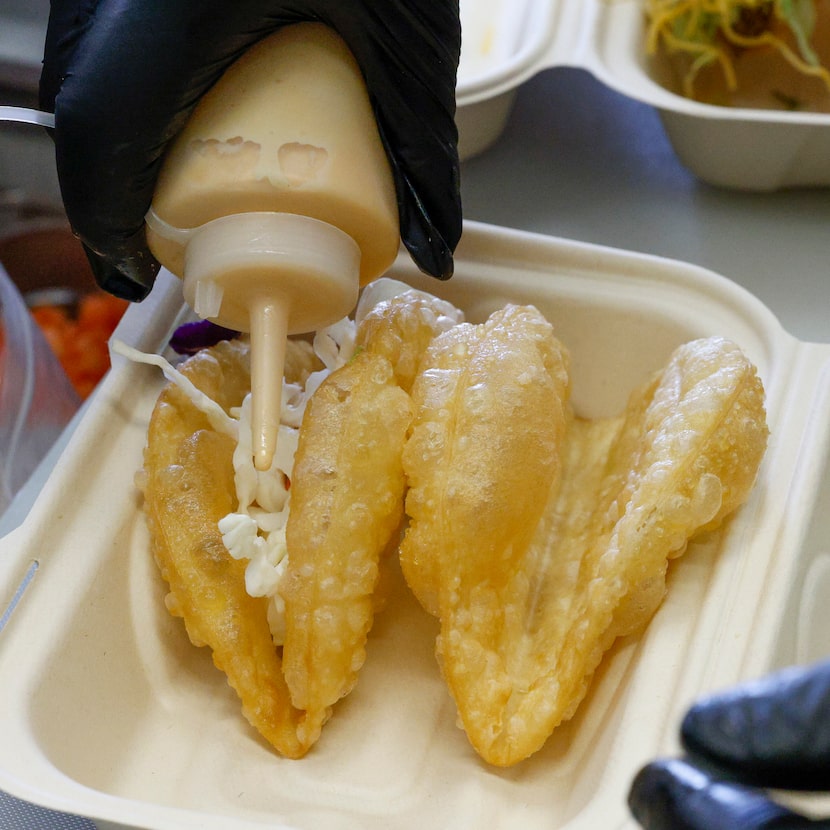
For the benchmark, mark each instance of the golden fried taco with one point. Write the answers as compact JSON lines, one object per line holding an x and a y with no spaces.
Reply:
{"x":276,"y":571}
{"x":545,"y":538}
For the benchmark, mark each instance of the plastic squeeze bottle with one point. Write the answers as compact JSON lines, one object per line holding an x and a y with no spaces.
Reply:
{"x":276,"y":203}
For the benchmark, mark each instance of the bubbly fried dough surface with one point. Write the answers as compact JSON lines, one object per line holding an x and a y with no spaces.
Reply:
{"x":188,"y":488}
{"x":402,"y":328}
{"x":490,"y":405}
{"x":346,"y":502}
{"x":521,"y":638}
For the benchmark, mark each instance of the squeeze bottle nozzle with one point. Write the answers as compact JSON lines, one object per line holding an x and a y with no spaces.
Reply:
{"x":273,"y":275}
{"x":276,"y":203}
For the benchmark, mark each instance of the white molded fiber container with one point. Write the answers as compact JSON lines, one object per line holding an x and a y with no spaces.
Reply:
{"x":108,"y":711}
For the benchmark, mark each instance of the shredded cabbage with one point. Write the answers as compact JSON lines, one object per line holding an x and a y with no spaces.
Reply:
{"x":255,"y":531}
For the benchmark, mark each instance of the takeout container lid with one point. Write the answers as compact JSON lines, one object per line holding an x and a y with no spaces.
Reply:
{"x":107,"y":710}
{"x":507,"y":42}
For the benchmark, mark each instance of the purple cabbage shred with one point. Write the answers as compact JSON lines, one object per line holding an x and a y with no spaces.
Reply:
{"x":190,"y":338}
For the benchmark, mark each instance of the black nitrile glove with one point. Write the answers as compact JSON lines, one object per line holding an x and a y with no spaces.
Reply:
{"x":124,"y":75}
{"x":773,"y":733}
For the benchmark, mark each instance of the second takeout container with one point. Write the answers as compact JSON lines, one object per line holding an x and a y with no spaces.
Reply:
{"x":108,"y":711}
{"x":507,"y":42}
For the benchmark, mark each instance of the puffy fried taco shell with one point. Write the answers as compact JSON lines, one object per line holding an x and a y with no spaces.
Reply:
{"x":525,"y":622}
{"x":188,"y":488}
{"x":346,"y":503}
{"x":347,"y":499}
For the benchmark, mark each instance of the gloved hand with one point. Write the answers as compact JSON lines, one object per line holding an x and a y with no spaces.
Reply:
{"x":122,"y":77}
{"x":772,"y":733}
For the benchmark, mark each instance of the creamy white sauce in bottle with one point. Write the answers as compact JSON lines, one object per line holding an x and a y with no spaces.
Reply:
{"x":276,"y":202}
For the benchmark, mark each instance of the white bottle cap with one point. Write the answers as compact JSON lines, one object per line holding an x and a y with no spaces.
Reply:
{"x":273,"y":274}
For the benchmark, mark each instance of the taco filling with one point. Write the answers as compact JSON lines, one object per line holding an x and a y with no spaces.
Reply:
{"x":755,"y":53}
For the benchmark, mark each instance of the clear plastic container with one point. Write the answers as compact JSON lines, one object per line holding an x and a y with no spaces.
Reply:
{"x":37,"y":400}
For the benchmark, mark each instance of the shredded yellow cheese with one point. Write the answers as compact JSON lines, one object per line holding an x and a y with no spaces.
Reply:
{"x":710,"y":32}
